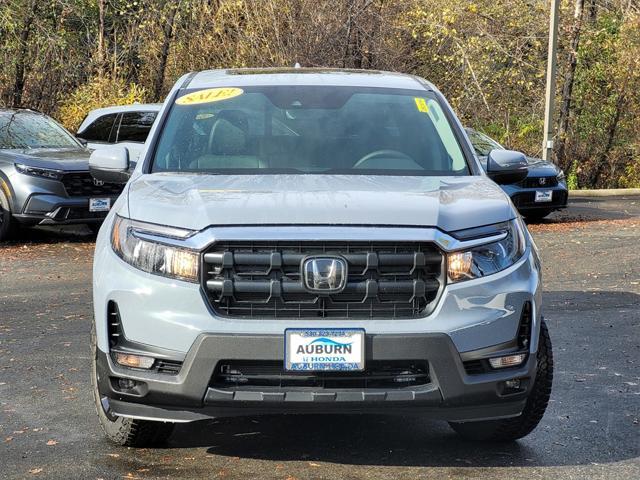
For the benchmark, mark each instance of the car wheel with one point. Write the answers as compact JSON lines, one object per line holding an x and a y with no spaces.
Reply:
{"x":537,"y":215}
{"x":8,"y":225}
{"x":511,"y":429}
{"x":94,"y":227}
{"x":125,"y":431}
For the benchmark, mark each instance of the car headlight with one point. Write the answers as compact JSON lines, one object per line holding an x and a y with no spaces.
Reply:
{"x":153,"y":257}
{"x":491,"y":257}
{"x":561,"y":177}
{"x":39,"y":172}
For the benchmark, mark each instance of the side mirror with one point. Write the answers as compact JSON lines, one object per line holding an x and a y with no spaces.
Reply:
{"x":82,"y":141}
{"x":506,"y":166}
{"x":110,"y":164}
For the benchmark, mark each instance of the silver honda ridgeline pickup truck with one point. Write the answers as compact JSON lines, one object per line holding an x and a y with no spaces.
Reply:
{"x":314,"y":241}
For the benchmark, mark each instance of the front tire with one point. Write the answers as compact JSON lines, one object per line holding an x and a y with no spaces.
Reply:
{"x":8,"y":225}
{"x":537,"y":215}
{"x":94,"y":227}
{"x":511,"y":429}
{"x":127,"y":432}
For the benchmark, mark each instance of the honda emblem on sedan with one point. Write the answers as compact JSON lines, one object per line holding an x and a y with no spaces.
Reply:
{"x":98,"y":183}
{"x":324,"y":274}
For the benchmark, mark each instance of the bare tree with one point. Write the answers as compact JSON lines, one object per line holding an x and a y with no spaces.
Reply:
{"x":569,"y":77}
{"x":167,"y":36}
{"x":18,"y":86}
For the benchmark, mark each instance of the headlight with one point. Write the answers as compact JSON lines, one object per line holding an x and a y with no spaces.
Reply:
{"x":489,"y":258}
{"x":153,"y":257}
{"x":39,"y":172}
{"x":561,"y":177}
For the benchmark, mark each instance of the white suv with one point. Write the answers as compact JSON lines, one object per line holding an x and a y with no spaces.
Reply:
{"x":315,"y":241}
{"x":126,"y":125}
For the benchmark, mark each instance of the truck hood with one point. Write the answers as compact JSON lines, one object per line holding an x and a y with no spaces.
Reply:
{"x":67,"y":159}
{"x":198,"y":201}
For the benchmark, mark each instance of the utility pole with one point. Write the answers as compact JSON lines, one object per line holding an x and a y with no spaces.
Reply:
{"x":550,"y":96}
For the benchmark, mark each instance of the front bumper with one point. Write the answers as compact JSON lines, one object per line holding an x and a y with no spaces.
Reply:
{"x":473,"y":319}
{"x":45,"y":201}
{"x":451,"y":394}
{"x":524,"y":198}
{"x":58,"y":210}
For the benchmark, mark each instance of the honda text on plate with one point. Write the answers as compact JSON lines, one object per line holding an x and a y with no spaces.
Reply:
{"x":315,"y":241}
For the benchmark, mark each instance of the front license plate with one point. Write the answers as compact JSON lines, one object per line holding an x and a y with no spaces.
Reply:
{"x":99,"y":204}
{"x":544,"y":195}
{"x":324,"y":349}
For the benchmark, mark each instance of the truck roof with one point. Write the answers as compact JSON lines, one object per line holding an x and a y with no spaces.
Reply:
{"x":134,"y":107}
{"x":305,"y":76}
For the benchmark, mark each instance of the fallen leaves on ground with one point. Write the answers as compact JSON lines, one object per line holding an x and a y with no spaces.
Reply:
{"x":571,"y":224}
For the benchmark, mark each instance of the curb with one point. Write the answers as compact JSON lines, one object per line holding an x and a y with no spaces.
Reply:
{"x":611,"y":192}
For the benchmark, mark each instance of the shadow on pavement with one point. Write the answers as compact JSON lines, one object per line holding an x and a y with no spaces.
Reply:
{"x":51,"y":235}
{"x":354,"y":439}
{"x":595,"y":209}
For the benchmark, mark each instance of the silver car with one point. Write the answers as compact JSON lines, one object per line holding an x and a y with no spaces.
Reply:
{"x":315,"y":241}
{"x":44,"y":176}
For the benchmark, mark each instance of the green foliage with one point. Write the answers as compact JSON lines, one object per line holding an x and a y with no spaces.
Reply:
{"x":572,"y":177}
{"x":97,"y":93}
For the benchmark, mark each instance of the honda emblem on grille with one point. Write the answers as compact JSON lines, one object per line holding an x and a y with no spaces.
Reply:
{"x":324,"y":274}
{"x":98,"y":183}
{"x":542,"y":181}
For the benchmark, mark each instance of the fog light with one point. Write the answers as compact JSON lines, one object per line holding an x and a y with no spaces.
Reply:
{"x":508,"y":361}
{"x":134,"y":361}
{"x":126,"y":384}
{"x":513,"y":384}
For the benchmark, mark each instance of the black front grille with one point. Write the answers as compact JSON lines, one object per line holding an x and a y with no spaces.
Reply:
{"x":76,"y":213}
{"x":388,"y":374}
{"x":263,"y":280}
{"x":539,"y":182}
{"x":81,"y":184}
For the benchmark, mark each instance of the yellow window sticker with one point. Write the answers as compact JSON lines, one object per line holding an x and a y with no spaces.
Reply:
{"x":421,"y":104}
{"x":209,"y":95}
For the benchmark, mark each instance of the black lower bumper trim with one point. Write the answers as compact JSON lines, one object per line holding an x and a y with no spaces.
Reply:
{"x":452,"y":414}
{"x":451,"y":394}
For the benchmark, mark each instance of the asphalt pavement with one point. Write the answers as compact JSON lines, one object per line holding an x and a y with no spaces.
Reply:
{"x":591,"y":255}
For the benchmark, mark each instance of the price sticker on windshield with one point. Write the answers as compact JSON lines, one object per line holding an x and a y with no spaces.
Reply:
{"x":421,"y":104}
{"x":209,"y":95}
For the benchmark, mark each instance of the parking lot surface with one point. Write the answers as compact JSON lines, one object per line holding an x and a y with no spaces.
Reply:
{"x":591,"y":255}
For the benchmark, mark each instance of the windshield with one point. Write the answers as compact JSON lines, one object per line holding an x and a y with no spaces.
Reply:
{"x":24,"y":130}
{"x":482,"y":144}
{"x":308,"y":129}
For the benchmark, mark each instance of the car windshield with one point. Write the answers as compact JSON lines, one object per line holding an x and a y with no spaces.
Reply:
{"x":482,"y":144}
{"x":25,"y":130}
{"x":308,"y":129}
